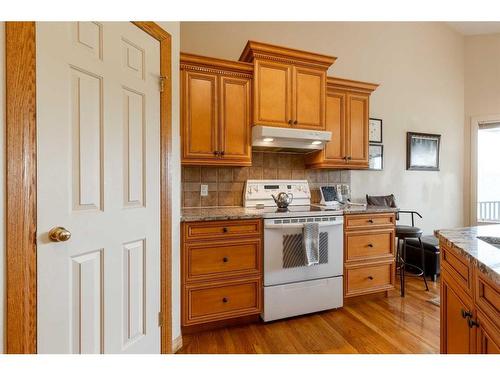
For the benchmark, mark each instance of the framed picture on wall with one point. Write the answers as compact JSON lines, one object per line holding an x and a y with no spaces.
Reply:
{"x":422,"y":151}
{"x":375,"y":130}
{"x":376,"y":157}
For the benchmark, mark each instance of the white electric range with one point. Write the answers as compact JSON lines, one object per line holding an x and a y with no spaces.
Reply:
{"x":290,"y":286}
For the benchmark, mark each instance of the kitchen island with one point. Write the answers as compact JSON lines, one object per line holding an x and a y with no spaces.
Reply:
{"x":470,"y":290}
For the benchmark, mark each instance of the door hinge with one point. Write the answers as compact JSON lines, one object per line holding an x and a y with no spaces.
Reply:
{"x":162,"y":83}
{"x":160,"y":319}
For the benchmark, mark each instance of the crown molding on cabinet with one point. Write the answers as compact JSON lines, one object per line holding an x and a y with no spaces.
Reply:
{"x":257,"y":50}
{"x":205,"y":64}
{"x":350,"y":85}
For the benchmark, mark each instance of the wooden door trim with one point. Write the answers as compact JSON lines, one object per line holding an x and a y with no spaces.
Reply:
{"x":20,"y":67}
{"x":165,"y":40}
{"x":21,"y":272}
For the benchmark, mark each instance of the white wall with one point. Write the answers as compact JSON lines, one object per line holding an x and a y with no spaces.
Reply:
{"x":482,"y":88}
{"x":173,"y":28}
{"x":2,"y":185}
{"x":420,"y":68}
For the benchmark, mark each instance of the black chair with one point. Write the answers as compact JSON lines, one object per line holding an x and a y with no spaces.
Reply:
{"x":403,"y":233}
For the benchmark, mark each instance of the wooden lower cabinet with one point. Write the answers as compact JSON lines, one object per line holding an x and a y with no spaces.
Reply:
{"x":456,"y":335}
{"x":470,"y":307}
{"x":221,"y":270}
{"x":369,"y":265}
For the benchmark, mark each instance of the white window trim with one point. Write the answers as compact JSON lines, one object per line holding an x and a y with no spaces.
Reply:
{"x":475,"y":122}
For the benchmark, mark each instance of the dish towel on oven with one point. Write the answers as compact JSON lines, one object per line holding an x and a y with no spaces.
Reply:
{"x":310,"y":236}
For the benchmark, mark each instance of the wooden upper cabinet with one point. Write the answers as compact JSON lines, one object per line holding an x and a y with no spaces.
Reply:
{"x":357,"y":129}
{"x":309,"y":98}
{"x":235,"y":119}
{"x":215,"y":111}
{"x":272,"y":93}
{"x":347,"y":112}
{"x":289,"y":86}
{"x":199,"y":115}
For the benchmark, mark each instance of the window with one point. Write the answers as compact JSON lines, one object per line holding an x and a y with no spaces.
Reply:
{"x":488,"y":172}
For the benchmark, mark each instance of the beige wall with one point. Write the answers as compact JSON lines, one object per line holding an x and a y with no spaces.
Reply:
{"x":420,"y":67}
{"x":482,"y":88}
{"x":2,"y":185}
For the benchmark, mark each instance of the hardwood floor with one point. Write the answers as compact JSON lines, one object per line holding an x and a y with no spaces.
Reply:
{"x":364,"y":325}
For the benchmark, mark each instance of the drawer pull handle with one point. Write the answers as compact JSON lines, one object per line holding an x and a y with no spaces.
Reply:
{"x":225,"y":259}
{"x":224,"y":230}
{"x":370,"y":245}
{"x":370,"y":221}
{"x":225,"y":300}
{"x":465,"y":314}
{"x":370,"y":277}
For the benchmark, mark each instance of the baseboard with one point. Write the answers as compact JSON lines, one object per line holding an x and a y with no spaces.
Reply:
{"x":177,"y":344}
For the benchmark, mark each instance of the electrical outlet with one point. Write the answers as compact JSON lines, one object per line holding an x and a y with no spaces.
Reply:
{"x":204,"y":190}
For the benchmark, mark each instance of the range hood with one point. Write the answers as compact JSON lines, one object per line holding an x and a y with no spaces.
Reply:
{"x":269,"y":138}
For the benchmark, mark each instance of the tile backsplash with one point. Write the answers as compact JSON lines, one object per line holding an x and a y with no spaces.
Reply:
{"x":226,"y":184}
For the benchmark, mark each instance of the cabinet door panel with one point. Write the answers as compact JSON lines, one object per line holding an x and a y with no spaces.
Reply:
{"x":457,"y":338}
{"x":235,"y":119}
{"x":199,"y":116}
{"x":273,"y":93}
{"x":335,"y":122}
{"x":357,"y":125}
{"x":488,"y":336}
{"x":309,"y":98}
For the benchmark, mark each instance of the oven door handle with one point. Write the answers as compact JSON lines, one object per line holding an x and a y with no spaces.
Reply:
{"x":299,"y":225}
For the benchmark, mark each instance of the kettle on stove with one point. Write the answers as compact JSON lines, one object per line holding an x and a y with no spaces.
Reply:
{"x":283,"y":199}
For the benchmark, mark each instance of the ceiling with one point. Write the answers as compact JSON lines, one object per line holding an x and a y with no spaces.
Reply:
{"x":475,"y":28}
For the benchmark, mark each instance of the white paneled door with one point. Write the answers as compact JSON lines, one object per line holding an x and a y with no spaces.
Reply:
{"x":98,"y":129}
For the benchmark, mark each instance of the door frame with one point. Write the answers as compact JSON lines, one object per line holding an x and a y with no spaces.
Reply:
{"x":21,"y":186}
{"x":475,"y":123}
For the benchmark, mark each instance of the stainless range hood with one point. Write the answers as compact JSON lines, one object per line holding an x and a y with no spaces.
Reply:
{"x":269,"y":138}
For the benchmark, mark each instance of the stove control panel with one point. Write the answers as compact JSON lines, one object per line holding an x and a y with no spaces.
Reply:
{"x":258,"y":192}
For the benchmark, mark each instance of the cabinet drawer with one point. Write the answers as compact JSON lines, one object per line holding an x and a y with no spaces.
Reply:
{"x":367,"y":245}
{"x":222,"y":259}
{"x":457,"y":266}
{"x":221,"y":229}
{"x":211,"y":302}
{"x":354,"y":222}
{"x":487,"y":297}
{"x":369,"y":278}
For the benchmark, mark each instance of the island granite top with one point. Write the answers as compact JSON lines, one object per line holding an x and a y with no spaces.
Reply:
{"x":481,"y":253}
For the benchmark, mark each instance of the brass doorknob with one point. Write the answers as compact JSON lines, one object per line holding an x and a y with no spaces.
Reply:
{"x":59,"y":234}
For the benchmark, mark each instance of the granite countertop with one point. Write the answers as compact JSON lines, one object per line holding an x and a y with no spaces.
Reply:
{"x":486,"y":256}
{"x":235,"y":213}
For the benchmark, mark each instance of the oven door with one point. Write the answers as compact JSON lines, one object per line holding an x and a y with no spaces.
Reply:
{"x":284,"y":257}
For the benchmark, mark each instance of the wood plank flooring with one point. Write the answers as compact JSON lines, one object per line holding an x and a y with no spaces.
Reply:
{"x":373,"y":325}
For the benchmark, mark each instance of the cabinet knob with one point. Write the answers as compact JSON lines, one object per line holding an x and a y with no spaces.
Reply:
{"x":225,"y":300}
{"x":295,"y":122}
{"x":472,"y":322}
{"x":224,"y":230}
{"x":370,"y":277}
{"x":370,"y":221}
{"x":370,"y":245}
{"x":465,"y":314}
{"x":222,"y":153}
{"x":290,"y":122}
{"x":216,"y":153}
{"x":225,"y":259}
{"x":349,"y":158}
